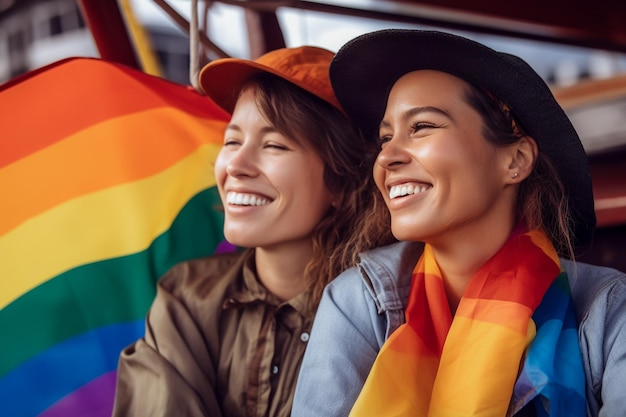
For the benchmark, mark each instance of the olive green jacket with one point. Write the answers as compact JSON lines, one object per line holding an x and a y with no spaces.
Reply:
{"x":216,"y":344}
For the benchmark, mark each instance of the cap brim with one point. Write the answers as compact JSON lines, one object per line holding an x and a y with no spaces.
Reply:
{"x":365,"y":69}
{"x":223,"y":79}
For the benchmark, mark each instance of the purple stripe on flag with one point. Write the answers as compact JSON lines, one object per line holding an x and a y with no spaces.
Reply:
{"x":94,"y":399}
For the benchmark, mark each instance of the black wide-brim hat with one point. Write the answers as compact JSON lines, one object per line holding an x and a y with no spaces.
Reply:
{"x":364,"y":70}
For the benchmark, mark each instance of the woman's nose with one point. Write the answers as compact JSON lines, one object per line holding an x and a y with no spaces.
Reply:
{"x":242,"y":163}
{"x":392,"y":154}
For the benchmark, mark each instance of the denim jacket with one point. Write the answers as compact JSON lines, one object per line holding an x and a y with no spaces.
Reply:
{"x":365,"y":304}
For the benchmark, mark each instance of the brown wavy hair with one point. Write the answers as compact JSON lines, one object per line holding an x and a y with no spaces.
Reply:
{"x":347,"y":158}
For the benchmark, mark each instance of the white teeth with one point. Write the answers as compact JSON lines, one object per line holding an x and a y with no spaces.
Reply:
{"x":406,"y":189}
{"x":242,"y":199}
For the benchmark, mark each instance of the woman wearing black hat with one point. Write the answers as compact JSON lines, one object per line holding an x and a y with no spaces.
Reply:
{"x":478,"y":162}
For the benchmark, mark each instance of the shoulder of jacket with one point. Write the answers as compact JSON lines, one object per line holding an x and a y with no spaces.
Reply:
{"x":199,"y":276}
{"x":593,"y":285}
{"x":386,"y":274}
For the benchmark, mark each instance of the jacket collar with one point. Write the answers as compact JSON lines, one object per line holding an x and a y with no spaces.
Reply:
{"x":387,"y":273}
{"x":250,"y":291}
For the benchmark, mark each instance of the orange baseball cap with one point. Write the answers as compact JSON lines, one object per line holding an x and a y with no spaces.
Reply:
{"x":305,"y":66}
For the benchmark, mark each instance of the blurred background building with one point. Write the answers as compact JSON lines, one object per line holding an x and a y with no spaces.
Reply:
{"x":37,"y":32}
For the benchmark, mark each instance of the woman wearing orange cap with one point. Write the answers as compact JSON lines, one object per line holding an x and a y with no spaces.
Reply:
{"x":480,"y":167}
{"x":226,"y":334}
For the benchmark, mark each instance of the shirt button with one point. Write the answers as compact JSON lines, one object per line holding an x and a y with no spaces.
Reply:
{"x":304,"y":336}
{"x":274,"y":369}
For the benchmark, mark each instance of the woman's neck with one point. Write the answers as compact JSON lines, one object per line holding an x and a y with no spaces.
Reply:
{"x":281,"y":269}
{"x":461,"y":257}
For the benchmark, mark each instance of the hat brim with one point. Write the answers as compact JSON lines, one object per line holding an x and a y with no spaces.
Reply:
{"x":364,"y":70}
{"x":223,"y":79}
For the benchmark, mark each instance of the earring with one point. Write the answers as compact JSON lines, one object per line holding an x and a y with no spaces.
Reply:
{"x":515,"y":175}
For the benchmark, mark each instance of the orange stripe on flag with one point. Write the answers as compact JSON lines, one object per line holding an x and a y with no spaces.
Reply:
{"x":509,"y":314}
{"x":58,"y":115}
{"x":116,"y":151}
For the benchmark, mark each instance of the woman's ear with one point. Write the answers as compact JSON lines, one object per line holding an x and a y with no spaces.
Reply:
{"x":523,"y":156}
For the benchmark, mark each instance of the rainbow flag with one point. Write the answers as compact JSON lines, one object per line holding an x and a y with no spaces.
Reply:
{"x":106,"y":181}
{"x":516,"y":307}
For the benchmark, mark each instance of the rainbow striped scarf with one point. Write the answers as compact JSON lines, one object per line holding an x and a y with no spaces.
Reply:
{"x":106,"y":178}
{"x":517,"y":307}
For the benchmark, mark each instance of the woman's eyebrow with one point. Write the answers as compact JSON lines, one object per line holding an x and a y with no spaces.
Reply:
{"x":419,"y":110}
{"x":233,"y":126}
{"x":264,"y":130}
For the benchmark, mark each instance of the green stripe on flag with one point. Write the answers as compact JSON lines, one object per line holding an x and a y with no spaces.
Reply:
{"x":106,"y":292}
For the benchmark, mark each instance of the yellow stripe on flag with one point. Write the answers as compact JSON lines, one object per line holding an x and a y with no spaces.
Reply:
{"x":114,"y":222}
{"x":481,"y":345}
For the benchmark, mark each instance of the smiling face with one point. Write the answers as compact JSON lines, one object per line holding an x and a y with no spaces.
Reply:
{"x":272,"y":186}
{"x":440,"y":178}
